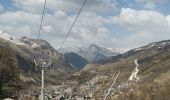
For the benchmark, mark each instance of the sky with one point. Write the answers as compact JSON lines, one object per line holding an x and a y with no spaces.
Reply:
{"x":115,"y":24}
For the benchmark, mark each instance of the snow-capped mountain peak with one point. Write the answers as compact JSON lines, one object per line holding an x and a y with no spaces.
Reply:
{"x":6,"y":36}
{"x":93,"y":48}
{"x":92,"y":53}
{"x":24,"y":41}
{"x":96,"y":49}
{"x":10,"y":38}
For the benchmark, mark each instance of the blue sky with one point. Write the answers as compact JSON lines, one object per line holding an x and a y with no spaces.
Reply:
{"x":115,"y":24}
{"x":6,"y":3}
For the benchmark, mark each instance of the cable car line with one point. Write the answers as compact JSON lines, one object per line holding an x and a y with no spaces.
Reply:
{"x":41,"y":22}
{"x":72,"y":26}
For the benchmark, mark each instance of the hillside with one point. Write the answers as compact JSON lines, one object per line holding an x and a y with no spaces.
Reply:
{"x":76,"y":60}
{"x":16,"y":66}
{"x":9,"y":72}
{"x":144,"y":72}
{"x":154,"y":70}
{"x":29,"y":50}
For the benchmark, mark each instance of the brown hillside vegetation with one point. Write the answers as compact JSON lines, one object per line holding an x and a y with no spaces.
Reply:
{"x":9,"y":72}
{"x":158,"y":90}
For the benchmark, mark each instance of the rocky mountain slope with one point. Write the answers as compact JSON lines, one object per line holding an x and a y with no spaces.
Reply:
{"x":23,"y":51}
{"x":96,"y":53}
{"x":144,"y":75}
{"x":30,"y":50}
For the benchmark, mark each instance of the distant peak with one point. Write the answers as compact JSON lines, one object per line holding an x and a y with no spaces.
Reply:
{"x":6,"y":36}
{"x":24,"y":37}
{"x":94,"y":46}
{"x":3,"y":33}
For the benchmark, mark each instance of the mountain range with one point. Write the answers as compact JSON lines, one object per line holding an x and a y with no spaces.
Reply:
{"x":93,"y":53}
{"x":144,"y":75}
{"x":79,"y":56}
{"x":143,"y":72}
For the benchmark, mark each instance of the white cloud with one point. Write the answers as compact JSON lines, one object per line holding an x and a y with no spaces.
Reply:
{"x":145,"y":26}
{"x":144,"y":20}
{"x":35,"y":6}
{"x":19,"y":18}
{"x":88,"y":29}
{"x":155,"y":1}
{"x":47,"y":28}
{"x":150,"y":5}
{"x":19,"y":23}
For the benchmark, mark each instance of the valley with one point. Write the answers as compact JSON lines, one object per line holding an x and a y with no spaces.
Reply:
{"x":144,"y":73}
{"x":84,"y":50}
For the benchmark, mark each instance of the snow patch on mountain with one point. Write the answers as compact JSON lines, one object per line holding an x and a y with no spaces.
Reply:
{"x":136,"y":70}
{"x":34,"y":45}
{"x":157,"y":45}
{"x":24,"y":41}
{"x":10,"y":38}
{"x":31,"y":42}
